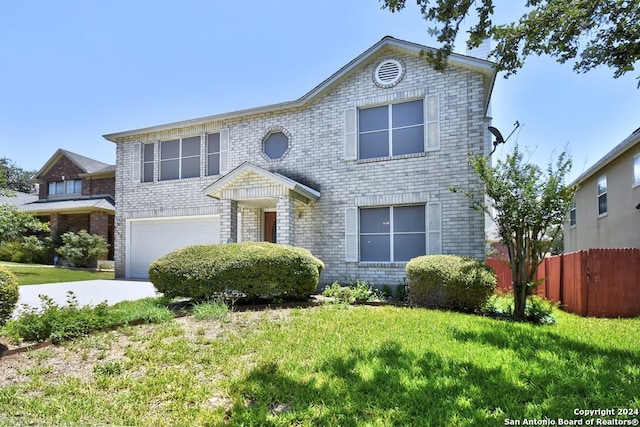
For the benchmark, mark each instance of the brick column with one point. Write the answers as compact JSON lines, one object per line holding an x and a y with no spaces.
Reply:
{"x":54,"y":221}
{"x":228,"y":220}
{"x":99,"y":223}
{"x":285,"y":220}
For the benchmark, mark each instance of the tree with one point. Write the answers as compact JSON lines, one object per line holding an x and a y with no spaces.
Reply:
{"x":15,"y":224}
{"x":593,"y":32}
{"x":527,"y":205}
{"x":15,"y":178}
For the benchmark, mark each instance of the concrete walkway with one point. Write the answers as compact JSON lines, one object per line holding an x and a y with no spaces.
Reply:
{"x":88,"y":292}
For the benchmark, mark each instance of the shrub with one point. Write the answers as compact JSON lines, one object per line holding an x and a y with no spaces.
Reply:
{"x":449,"y":281}
{"x":251,"y":268}
{"x":9,"y":294}
{"x":83,"y":249}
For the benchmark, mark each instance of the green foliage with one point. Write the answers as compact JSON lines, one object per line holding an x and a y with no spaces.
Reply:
{"x":15,"y":178}
{"x":9,"y":294}
{"x":357,"y":291}
{"x":540,"y":310}
{"x":449,"y":281}
{"x":28,"y":250}
{"x":401,"y":292}
{"x":83,"y":249}
{"x":62,"y":323}
{"x":15,"y":224}
{"x":597,"y":32}
{"x":528,"y":205}
{"x":254,"y":269}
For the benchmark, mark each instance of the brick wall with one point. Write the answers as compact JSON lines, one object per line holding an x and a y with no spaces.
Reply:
{"x":316,"y":158}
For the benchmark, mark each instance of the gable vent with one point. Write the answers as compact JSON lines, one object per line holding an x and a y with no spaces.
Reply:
{"x":389,"y":73}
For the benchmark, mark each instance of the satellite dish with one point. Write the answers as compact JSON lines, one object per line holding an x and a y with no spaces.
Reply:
{"x":497,"y":134}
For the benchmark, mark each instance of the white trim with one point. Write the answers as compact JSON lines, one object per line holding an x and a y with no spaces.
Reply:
{"x":351,"y":235}
{"x":137,"y":163}
{"x":437,"y":229}
{"x":351,"y":133}
{"x":431,"y":119}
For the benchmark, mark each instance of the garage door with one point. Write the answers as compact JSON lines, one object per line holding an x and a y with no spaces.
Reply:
{"x":151,"y":239}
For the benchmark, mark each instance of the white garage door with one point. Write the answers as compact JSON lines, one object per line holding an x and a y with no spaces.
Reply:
{"x":151,"y":239}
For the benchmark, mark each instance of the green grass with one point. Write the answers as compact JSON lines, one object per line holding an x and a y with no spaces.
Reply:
{"x":340,"y":365}
{"x":30,"y":274}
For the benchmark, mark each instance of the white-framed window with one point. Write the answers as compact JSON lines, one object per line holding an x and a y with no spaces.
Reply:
{"x":391,"y":130}
{"x":70,"y":186}
{"x":572,"y":213}
{"x":394,"y":129}
{"x":636,"y":169}
{"x":180,"y":158}
{"x":602,"y":195}
{"x":392,"y":234}
{"x":213,"y":154}
{"x":147,"y":162}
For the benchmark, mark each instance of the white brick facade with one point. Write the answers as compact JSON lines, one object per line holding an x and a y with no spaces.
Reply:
{"x":315,"y":158}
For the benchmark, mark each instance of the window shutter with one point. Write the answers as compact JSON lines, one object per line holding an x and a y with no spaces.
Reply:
{"x":432,"y":122}
{"x":224,"y":151}
{"x":350,"y":134}
{"x":351,"y":235}
{"x":137,"y":164}
{"x":434,"y":228}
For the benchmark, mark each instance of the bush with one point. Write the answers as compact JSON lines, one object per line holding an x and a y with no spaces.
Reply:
{"x":9,"y":294}
{"x":253,"y":269}
{"x":450,"y":282}
{"x":83,"y":249}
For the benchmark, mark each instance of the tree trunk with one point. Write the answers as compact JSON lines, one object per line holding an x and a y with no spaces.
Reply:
{"x":519,"y":300}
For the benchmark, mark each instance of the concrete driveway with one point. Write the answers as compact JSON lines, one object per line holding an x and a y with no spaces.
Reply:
{"x":88,"y":292}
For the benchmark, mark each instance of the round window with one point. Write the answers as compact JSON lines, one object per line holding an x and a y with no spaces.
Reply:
{"x":276,"y":145}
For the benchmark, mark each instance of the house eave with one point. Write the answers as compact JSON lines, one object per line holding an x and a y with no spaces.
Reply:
{"x":628,"y":143}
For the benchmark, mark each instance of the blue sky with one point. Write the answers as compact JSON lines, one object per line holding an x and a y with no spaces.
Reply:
{"x":73,"y":70}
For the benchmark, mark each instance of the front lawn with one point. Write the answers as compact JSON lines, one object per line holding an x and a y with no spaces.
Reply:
{"x":331,"y":365}
{"x":33,"y":274}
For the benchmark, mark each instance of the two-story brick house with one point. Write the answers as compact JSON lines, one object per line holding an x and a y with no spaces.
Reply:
{"x":76,"y":193}
{"x":357,"y":170}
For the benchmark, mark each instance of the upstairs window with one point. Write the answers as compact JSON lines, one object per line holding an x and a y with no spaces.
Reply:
{"x":213,"y":154}
{"x":275,"y":145}
{"x":636,"y":169}
{"x":147,"y":163}
{"x":70,"y":186}
{"x":180,"y":158}
{"x":391,"y":130}
{"x":572,"y":213}
{"x":602,"y":195}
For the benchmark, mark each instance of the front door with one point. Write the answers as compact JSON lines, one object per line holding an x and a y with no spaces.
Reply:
{"x":270,"y":227}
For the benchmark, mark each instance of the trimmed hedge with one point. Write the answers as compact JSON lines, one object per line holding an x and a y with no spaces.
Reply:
{"x":253,"y":268}
{"x":450,"y":282}
{"x":9,"y":294}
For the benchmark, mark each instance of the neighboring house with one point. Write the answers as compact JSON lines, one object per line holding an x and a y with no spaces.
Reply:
{"x":76,"y":193}
{"x":606,"y":210}
{"x":357,"y":170}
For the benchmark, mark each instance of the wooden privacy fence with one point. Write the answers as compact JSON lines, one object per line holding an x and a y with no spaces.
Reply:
{"x":595,"y":282}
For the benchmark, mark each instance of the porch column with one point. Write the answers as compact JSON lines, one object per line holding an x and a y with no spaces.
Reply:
{"x":228,"y":221}
{"x":285,"y":220}
{"x":99,"y":223}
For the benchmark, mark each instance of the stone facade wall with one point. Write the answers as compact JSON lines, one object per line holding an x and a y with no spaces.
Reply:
{"x":316,"y":158}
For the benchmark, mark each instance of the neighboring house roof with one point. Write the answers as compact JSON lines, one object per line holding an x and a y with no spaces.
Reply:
{"x":628,"y":143}
{"x":89,"y":166}
{"x":483,"y":66}
{"x":69,"y":206}
{"x":19,"y":200}
{"x":304,"y":193}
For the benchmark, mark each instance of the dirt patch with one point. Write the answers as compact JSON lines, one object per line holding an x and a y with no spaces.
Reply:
{"x":78,"y":358}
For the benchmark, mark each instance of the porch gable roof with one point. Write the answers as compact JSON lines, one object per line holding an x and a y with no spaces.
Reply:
{"x":301,"y":192}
